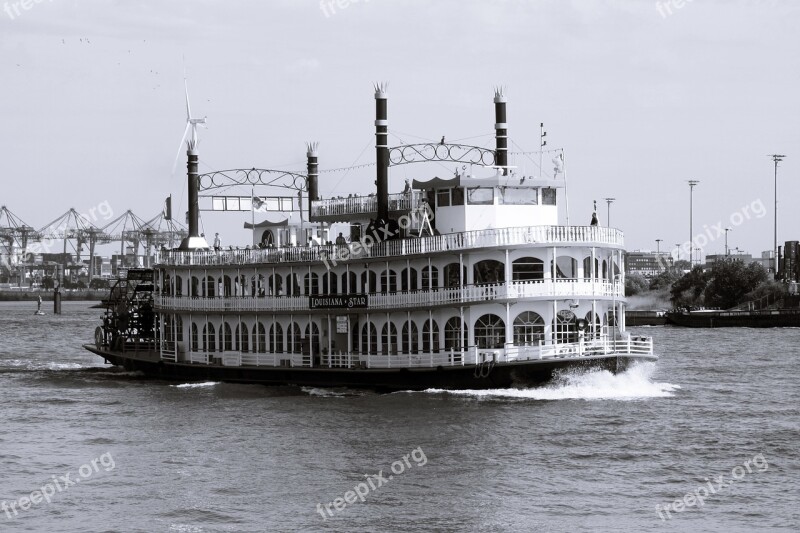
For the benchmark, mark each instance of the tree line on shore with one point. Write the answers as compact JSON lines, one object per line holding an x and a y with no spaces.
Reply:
{"x":725,"y":285}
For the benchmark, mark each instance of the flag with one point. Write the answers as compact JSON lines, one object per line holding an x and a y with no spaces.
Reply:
{"x":259,"y":204}
{"x":168,"y":208}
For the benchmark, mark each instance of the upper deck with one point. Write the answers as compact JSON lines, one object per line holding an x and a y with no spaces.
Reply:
{"x":500,"y":238}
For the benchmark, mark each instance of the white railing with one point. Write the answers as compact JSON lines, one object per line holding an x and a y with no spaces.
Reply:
{"x":360,"y":205}
{"x":636,"y":346}
{"x":513,"y":290}
{"x":467,"y":240}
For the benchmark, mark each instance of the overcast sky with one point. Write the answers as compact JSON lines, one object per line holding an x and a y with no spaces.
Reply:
{"x":642,"y":95}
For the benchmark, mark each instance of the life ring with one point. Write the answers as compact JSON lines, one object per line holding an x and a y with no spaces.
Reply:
{"x":98,"y":336}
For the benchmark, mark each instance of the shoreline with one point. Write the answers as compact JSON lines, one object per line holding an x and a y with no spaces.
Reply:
{"x":88,"y":295}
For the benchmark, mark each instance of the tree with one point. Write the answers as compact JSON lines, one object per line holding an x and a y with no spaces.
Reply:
{"x":731,"y":281}
{"x":688,"y":290}
{"x":98,"y":283}
{"x":681,"y":265}
{"x":665,"y":279}
{"x":634,"y":284}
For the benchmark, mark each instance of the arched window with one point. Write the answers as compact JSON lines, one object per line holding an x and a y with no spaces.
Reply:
{"x":389,"y":339}
{"x":408,"y":279}
{"x":209,"y":337}
{"x":430,"y":336}
{"x":527,"y":269}
{"x":490,"y":332}
{"x":227,"y":286}
{"x":312,"y":336}
{"x":275,"y":287}
{"x":388,"y":281}
{"x":329,"y":283}
{"x":261,"y":338}
{"x":452,"y":278}
{"x":528,"y":329}
{"x":276,"y":338}
{"x":564,"y":327}
{"x":259,"y":288}
{"x":267,"y":238}
{"x":227,"y":337}
{"x":410,"y":337}
{"x":349,"y":283}
{"x":178,"y":286}
{"x":566,"y":267}
{"x":168,"y":328}
{"x":241,"y":339}
{"x":605,"y":269}
{"x":311,"y":283}
{"x":195,"y":344}
{"x":209,"y":287}
{"x":369,"y":281}
{"x":455,"y":337}
{"x":178,"y":328}
{"x":598,"y":325}
{"x":166,"y":286}
{"x":430,"y":278}
{"x":295,"y":338}
{"x":587,"y":268}
{"x":292,"y":286}
{"x":489,"y":272}
{"x":369,"y":339}
{"x":195,"y":289}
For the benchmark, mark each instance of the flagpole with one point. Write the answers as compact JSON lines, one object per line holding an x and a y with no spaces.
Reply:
{"x":253,"y":214}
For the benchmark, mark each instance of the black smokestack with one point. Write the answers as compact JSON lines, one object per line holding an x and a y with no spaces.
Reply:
{"x":191,"y":167}
{"x":193,"y":241}
{"x":500,"y":130}
{"x":313,"y":175}
{"x":382,"y":152}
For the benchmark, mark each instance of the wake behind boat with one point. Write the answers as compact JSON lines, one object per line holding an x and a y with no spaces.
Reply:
{"x":460,"y":283}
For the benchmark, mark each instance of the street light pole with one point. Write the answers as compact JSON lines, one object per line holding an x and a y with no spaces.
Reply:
{"x":776,"y":158}
{"x":608,"y":211}
{"x":658,"y":246}
{"x":692,"y":184}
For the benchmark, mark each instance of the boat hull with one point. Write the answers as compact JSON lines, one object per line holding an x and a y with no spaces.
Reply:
{"x":486,"y":376}
{"x":737,"y":319}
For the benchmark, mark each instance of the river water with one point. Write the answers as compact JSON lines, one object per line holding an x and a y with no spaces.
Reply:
{"x":594,"y":452}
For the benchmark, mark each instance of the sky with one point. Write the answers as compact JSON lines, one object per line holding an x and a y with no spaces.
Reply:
{"x":642,"y":96}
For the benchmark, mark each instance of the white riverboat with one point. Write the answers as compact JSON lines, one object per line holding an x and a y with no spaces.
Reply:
{"x":466,"y":282}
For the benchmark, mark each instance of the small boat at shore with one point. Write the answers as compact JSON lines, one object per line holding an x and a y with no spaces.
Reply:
{"x":714,"y":318}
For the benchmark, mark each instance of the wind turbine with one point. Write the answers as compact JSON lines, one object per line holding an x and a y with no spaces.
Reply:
{"x":190,"y":123}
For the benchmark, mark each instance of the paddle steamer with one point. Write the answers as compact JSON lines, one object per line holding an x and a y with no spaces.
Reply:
{"x":458,"y":282}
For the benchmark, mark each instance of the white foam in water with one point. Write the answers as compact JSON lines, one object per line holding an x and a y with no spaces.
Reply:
{"x":330,"y":393}
{"x":195,"y":385}
{"x":632,"y":384}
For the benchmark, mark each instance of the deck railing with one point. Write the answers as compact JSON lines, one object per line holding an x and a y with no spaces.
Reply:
{"x":628,"y":345}
{"x":513,"y":290}
{"x":451,"y":242}
{"x":364,"y":205}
